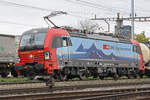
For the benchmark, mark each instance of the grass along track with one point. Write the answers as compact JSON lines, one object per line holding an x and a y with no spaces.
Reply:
{"x":24,"y":80}
{"x":70,"y":82}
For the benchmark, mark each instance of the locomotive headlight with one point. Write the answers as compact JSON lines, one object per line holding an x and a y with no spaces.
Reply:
{"x":47,"y":55}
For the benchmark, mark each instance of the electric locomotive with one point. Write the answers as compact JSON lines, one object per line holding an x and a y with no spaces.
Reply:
{"x":64,"y":54}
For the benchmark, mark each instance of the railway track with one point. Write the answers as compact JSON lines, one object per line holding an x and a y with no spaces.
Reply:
{"x":6,"y":94}
{"x":140,"y":95}
{"x":113,"y":94}
{"x":100,"y":83}
{"x":14,"y":91}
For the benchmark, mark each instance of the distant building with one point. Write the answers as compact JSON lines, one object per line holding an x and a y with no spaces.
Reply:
{"x":125,"y":31}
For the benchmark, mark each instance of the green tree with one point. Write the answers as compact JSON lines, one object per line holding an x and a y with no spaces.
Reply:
{"x":141,"y":37}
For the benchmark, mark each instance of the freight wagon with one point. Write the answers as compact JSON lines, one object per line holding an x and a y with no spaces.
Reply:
{"x":8,"y":48}
{"x":145,"y":47}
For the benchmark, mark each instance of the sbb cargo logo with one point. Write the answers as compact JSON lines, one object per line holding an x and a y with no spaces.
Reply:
{"x":109,"y":47}
{"x":106,"y":47}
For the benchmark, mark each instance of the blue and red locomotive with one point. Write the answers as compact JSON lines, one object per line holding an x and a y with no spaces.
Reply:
{"x":65,"y":54}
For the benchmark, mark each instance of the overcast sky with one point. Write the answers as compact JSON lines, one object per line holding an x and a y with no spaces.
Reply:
{"x":17,"y":16}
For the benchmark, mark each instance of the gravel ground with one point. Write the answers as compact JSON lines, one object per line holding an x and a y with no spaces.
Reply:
{"x":20,"y":86}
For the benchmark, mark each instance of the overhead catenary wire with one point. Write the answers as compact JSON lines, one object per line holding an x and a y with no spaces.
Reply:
{"x":81,"y":2}
{"x":137,"y":7}
{"x":33,"y":7}
{"x":94,"y":5}
{"x":86,"y":5}
{"x":72,"y":13}
{"x":26,"y":6}
{"x":15,"y":23}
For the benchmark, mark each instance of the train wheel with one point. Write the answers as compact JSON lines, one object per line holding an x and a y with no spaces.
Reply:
{"x":24,"y":73}
{"x":141,"y":76}
{"x":135,"y":75}
{"x":63,"y":77}
{"x":14,"y":73}
{"x":116,"y":77}
{"x":101,"y":77}
{"x":129,"y":76}
{"x":95,"y":75}
{"x":82,"y":76}
{"x":141,"y":73}
{"x":31,"y":76}
{"x":4,"y":75}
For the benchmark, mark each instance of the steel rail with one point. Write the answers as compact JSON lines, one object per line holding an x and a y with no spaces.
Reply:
{"x":140,"y":95}
{"x":65,"y":88}
{"x":113,"y":94}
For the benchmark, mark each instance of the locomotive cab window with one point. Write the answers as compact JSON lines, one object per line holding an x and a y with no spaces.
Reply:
{"x":61,"y":42}
{"x":66,"y":41}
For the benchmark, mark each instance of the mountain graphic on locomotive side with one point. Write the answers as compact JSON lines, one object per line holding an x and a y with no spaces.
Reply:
{"x":64,"y":54}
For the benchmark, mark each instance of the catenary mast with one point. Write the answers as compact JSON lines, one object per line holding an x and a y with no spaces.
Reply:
{"x":132,"y":22}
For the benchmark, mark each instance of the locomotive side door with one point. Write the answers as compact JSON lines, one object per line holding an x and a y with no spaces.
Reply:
{"x":137,"y":54}
{"x":66,"y":42}
{"x":62,"y":51}
{"x":135,"y":50}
